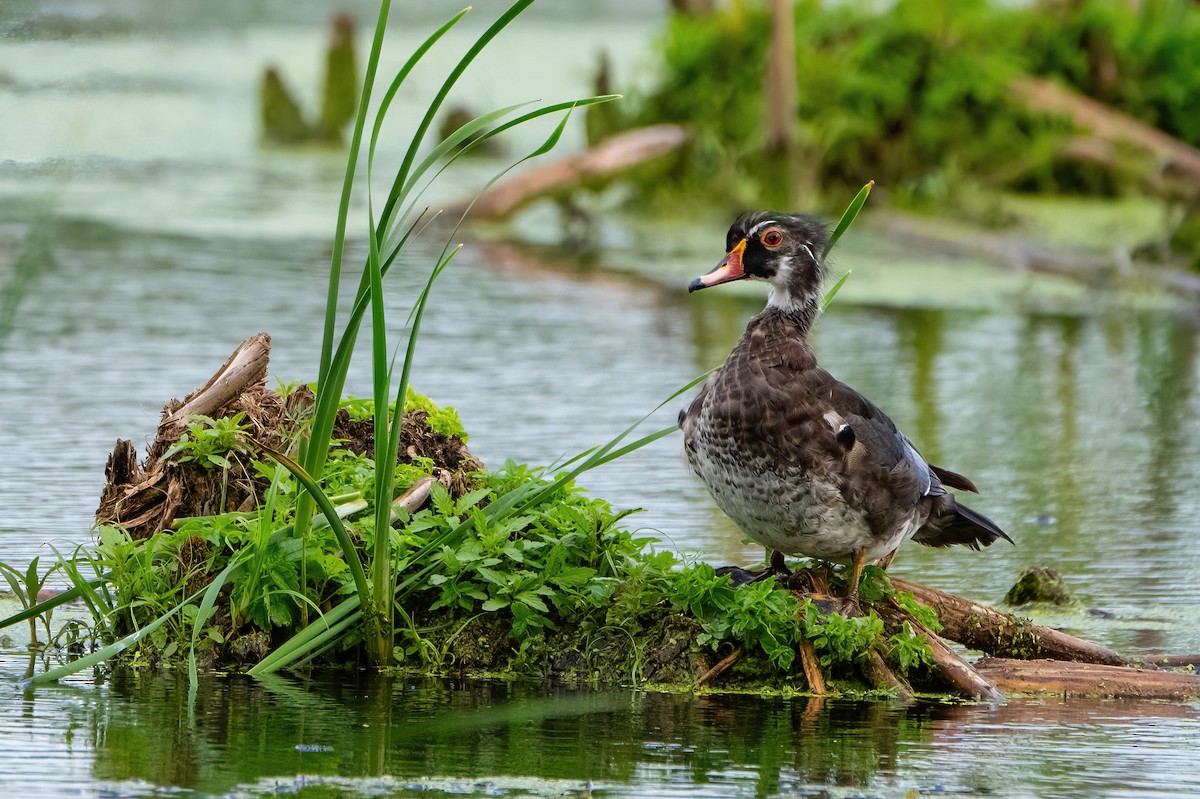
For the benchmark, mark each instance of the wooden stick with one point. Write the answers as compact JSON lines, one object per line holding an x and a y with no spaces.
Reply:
{"x":1087,"y":679}
{"x":979,"y":627}
{"x":812,"y":668}
{"x":414,"y":498}
{"x":721,"y":667}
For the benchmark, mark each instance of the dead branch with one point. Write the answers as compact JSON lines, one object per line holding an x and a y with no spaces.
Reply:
{"x":979,"y":627}
{"x":246,"y":367}
{"x":812,"y":668}
{"x":1106,"y":123}
{"x":952,"y":669}
{"x":615,"y":154}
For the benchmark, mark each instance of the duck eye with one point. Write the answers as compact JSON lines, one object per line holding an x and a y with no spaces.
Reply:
{"x":772,"y":238}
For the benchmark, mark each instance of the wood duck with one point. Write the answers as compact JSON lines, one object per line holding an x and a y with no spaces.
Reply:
{"x":802,"y":463}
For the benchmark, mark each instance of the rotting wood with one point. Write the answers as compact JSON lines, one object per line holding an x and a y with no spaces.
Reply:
{"x":979,"y":627}
{"x":609,"y":157}
{"x":1087,"y":679}
{"x":246,"y":367}
{"x":879,"y":675}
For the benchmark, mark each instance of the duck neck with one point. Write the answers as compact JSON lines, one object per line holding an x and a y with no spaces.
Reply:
{"x":801,"y":313}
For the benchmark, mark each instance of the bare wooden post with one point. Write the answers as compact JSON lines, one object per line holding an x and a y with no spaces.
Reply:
{"x":780,"y":89}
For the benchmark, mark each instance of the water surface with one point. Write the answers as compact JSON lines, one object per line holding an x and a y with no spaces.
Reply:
{"x":144,"y":233}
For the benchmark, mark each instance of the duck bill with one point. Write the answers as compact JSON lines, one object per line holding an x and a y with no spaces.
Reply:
{"x":728,"y":270}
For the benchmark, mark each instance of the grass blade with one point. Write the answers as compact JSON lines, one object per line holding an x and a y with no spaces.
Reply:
{"x":848,"y":216}
{"x":396,"y":194}
{"x":829,"y":295}
{"x":70,"y":595}
{"x":310,"y":485}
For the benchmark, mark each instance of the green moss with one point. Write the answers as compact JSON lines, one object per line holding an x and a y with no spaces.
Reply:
{"x":1039,"y":586}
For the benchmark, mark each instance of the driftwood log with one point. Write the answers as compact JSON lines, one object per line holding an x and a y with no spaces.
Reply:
{"x":1087,"y":679}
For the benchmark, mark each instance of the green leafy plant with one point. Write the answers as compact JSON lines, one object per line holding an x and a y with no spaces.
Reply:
{"x":908,"y":650}
{"x":26,"y":586}
{"x":209,"y":441}
{"x":838,"y":639}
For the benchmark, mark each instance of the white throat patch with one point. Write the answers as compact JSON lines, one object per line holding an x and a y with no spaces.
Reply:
{"x":781,"y":297}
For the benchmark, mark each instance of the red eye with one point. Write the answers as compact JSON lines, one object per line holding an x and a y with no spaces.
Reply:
{"x":772,"y":238}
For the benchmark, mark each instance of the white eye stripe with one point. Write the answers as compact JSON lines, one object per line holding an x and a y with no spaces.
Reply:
{"x":754,"y":230}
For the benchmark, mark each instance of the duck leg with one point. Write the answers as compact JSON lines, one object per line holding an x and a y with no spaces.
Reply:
{"x":856,"y":570}
{"x":776,"y":568}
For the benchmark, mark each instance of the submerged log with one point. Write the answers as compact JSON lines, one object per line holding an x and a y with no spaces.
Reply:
{"x":1087,"y":679}
{"x":981,"y":628}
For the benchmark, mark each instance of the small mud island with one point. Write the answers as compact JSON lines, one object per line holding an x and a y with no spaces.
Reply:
{"x":509,"y":572}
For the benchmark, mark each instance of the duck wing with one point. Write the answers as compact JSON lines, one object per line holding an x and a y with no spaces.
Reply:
{"x":878,"y":451}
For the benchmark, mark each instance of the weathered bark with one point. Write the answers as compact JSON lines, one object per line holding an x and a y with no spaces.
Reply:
{"x":613,"y":155}
{"x":1087,"y":679}
{"x":947,"y":665}
{"x":147,"y":498}
{"x":978,"y":627}
{"x":246,"y":367}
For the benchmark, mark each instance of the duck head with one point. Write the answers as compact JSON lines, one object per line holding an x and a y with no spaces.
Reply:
{"x":782,"y":249}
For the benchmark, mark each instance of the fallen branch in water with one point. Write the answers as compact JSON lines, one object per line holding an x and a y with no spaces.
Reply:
{"x":979,"y":627}
{"x":1087,"y":679}
{"x":611,"y":156}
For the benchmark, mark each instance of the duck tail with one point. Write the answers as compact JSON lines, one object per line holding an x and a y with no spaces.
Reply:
{"x":960,"y":526}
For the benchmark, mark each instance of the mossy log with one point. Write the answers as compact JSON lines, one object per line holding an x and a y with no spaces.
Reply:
{"x":981,"y":628}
